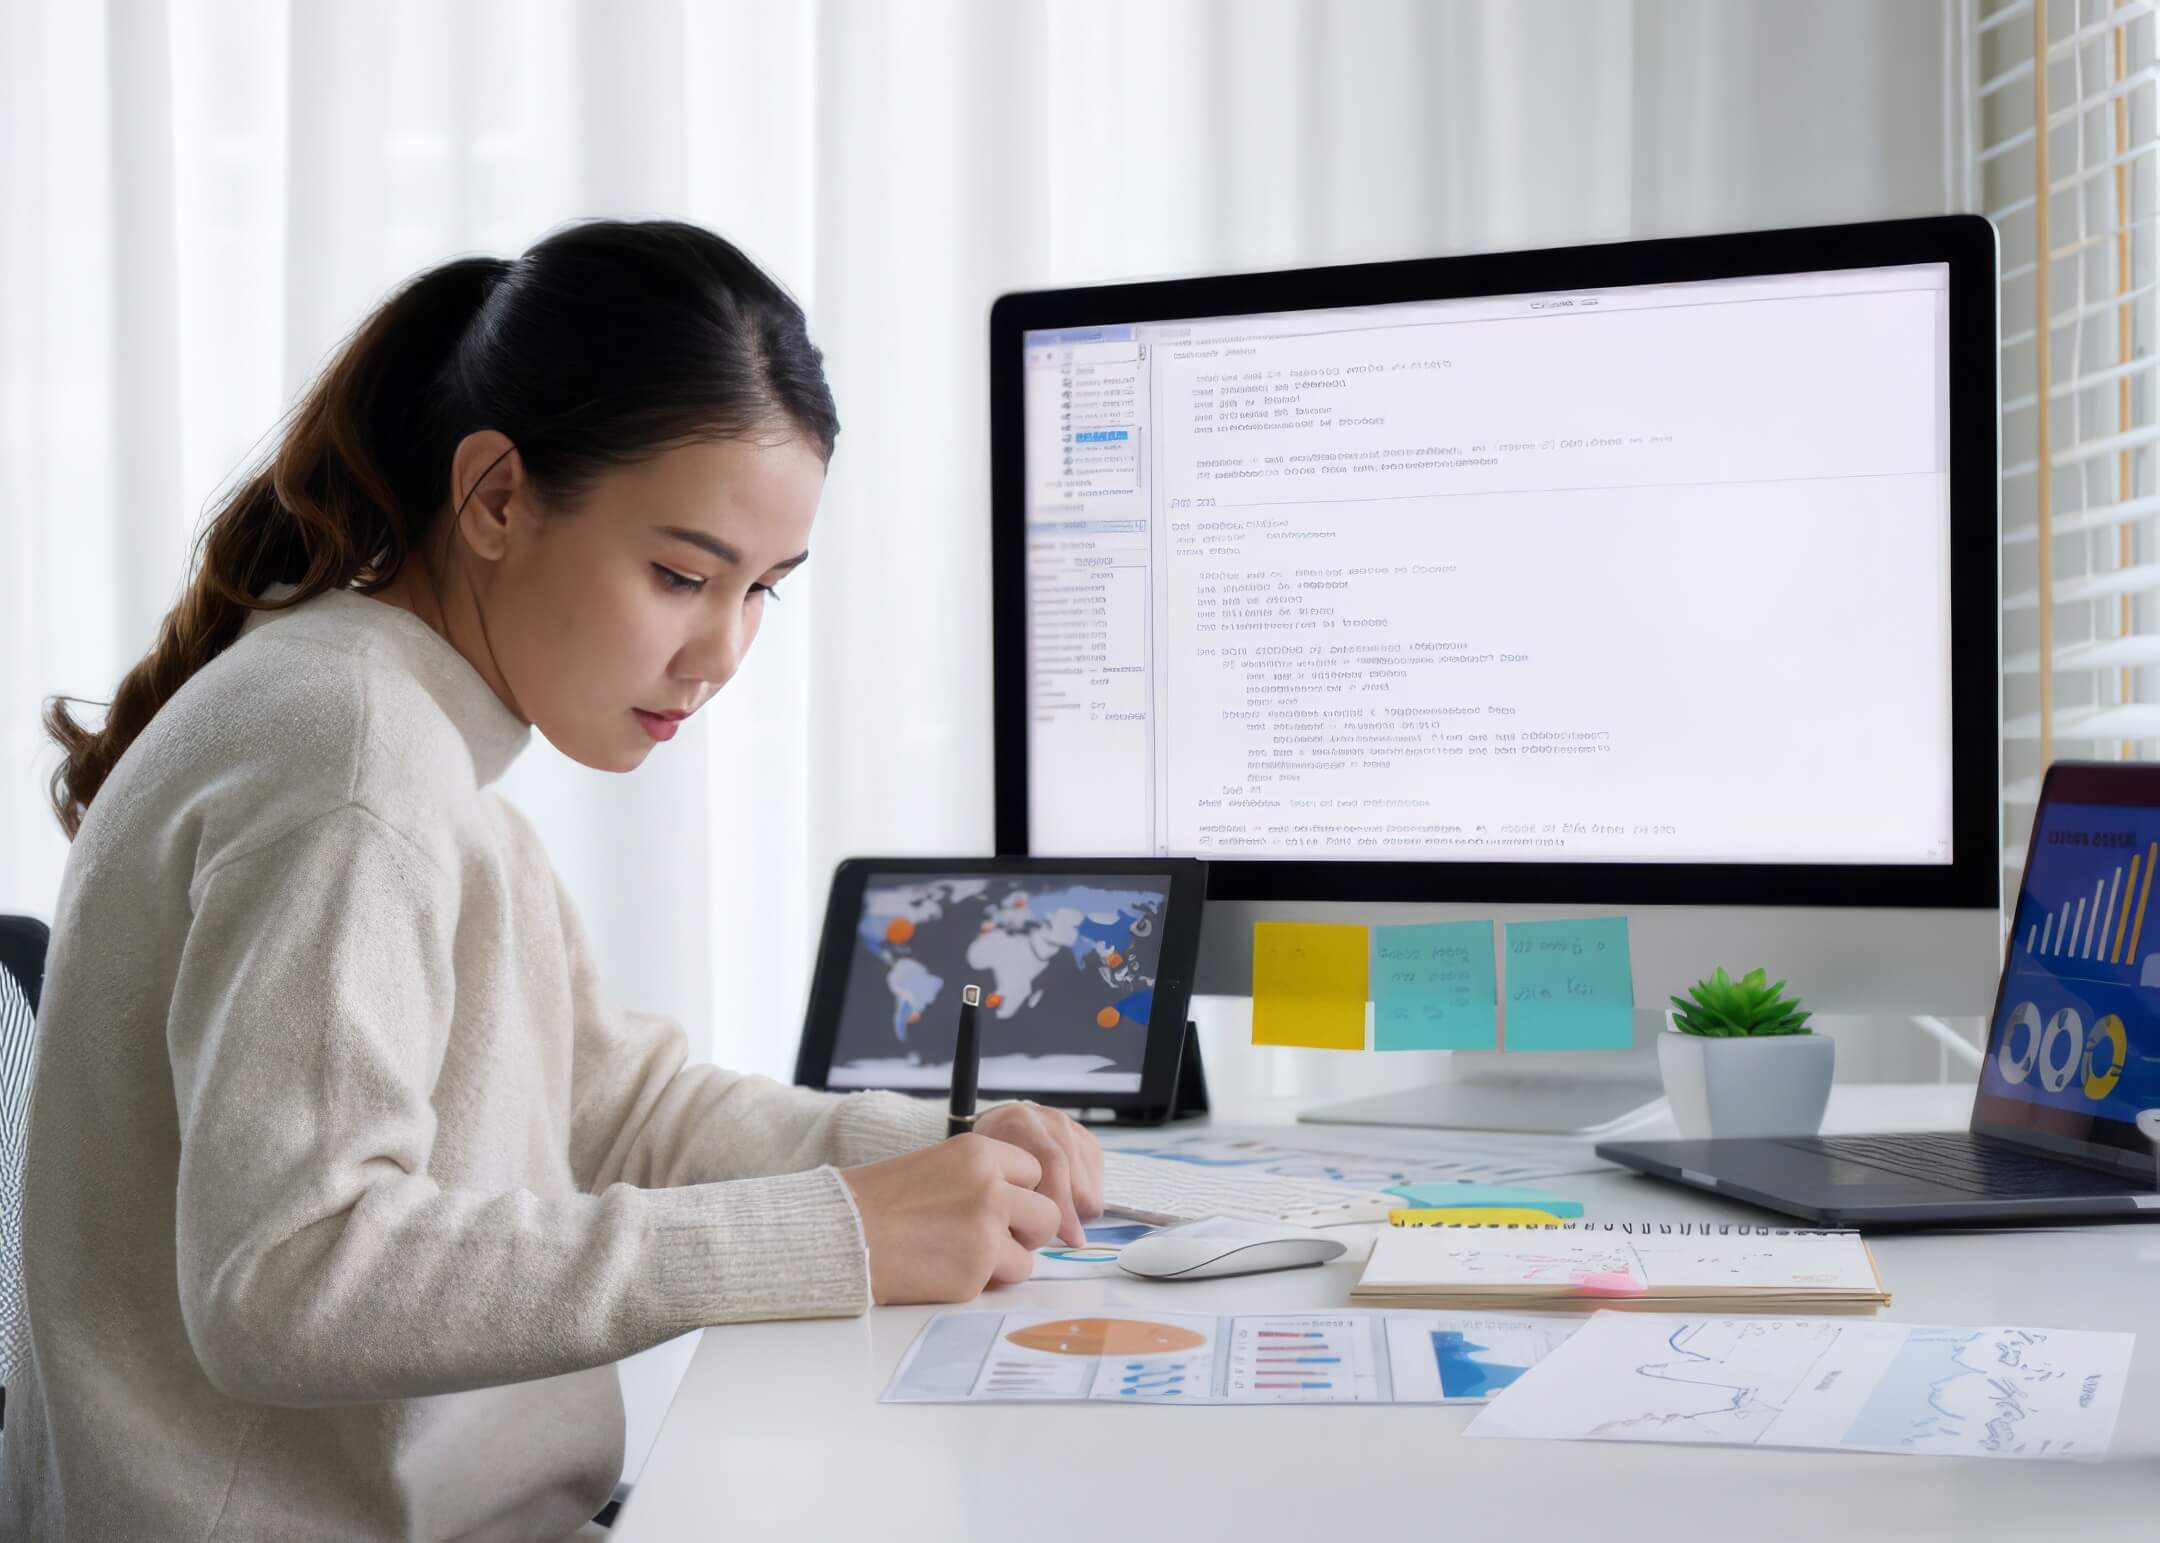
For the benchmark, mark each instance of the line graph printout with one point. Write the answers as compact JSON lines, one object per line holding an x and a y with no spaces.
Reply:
{"x":1913,"y":1389}
{"x":1226,"y":1174}
{"x":1245,"y":1358}
{"x":1341,"y":1158}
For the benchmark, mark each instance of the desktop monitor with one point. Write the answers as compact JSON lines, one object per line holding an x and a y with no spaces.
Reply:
{"x":1655,"y":578}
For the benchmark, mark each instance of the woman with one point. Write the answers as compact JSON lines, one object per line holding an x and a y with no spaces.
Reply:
{"x":346,"y":1186}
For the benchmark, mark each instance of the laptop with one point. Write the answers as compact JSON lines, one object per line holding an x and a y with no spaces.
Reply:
{"x":2073,"y":1053}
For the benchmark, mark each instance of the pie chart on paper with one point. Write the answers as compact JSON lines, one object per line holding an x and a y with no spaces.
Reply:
{"x":1105,"y":1336}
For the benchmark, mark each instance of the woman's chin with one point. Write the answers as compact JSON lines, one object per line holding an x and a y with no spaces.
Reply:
{"x":622,"y":755}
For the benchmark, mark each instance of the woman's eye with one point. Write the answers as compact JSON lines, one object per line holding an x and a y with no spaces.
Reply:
{"x":681,"y":583}
{"x":762,"y":588}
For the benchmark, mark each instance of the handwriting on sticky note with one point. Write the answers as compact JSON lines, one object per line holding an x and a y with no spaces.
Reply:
{"x":1570,"y":985}
{"x":1308,"y":985}
{"x":1432,"y":987}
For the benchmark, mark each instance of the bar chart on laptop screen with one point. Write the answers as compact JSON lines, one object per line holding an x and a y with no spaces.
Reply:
{"x":2082,"y":994}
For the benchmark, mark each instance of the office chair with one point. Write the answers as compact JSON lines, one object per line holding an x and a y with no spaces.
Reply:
{"x":22,"y":978}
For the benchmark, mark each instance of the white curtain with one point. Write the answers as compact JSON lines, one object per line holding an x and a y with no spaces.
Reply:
{"x":198,"y":198}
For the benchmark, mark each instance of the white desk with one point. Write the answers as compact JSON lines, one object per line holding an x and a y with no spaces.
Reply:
{"x":776,"y":1431}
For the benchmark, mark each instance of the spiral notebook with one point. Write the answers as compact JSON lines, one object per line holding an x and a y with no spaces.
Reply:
{"x":1660,"y":1265}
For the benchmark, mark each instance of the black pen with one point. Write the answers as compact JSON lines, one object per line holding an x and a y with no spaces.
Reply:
{"x":965,"y":1065}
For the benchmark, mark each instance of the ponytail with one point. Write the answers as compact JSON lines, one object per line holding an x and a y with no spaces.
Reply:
{"x":614,"y":340}
{"x":325,"y":511}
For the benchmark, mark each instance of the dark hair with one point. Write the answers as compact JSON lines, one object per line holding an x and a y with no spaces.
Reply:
{"x":604,"y":345}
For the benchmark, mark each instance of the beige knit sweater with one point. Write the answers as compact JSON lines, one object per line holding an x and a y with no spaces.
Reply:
{"x":346,"y":1185}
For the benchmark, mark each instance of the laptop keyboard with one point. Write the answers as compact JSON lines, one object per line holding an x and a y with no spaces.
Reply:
{"x":1953,"y":1159}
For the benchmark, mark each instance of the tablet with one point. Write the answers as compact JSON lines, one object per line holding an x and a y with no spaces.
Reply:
{"x":1086,"y":967}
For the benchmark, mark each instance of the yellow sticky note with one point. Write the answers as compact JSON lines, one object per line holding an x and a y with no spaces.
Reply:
{"x":1471,"y":1216}
{"x":1308,"y":985}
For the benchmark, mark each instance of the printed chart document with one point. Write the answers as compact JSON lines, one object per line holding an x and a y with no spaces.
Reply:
{"x":1802,"y":1382}
{"x":1246,"y":1358}
{"x":1097,"y":1259}
{"x":1337,"y":1179}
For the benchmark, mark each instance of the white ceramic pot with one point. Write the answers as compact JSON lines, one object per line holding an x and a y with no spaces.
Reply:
{"x":1777,"y":1085}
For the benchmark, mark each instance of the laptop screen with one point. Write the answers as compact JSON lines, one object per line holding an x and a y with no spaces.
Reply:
{"x":2074,"y":1051}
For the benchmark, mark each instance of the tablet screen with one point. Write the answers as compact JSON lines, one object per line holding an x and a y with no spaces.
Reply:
{"x":1066,"y":962}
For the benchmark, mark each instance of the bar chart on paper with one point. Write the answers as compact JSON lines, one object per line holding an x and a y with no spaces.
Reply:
{"x":1302,"y":1359}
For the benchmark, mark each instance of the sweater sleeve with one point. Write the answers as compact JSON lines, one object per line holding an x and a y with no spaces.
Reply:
{"x":642,"y":1116}
{"x":319,"y":1262}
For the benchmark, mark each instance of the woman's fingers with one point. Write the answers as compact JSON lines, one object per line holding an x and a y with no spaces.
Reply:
{"x":1013,"y":1265}
{"x":1033,"y":1219}
{"x":1057,"y":1183}
{"x":1087,"y":1169}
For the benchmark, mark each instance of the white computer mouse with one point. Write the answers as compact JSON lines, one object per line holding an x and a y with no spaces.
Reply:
{"x":1219,"y":1245}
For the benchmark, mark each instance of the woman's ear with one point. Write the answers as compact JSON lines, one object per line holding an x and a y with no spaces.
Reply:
{"x":487,"y":475}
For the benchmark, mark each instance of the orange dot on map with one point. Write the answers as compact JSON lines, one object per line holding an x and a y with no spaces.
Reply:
{"x":914,"y":1017}
{"x":993,"y":999}
{"x":1113,"y":958}
{"x":1107,"y":1017}
{"x":899,"y":930}
{"x":988,"y":926}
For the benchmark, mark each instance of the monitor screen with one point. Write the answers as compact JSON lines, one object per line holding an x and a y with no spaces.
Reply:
{"x":1658,"y":573}
{"x":1068,"y":968}
{"x":2075,"y":1047}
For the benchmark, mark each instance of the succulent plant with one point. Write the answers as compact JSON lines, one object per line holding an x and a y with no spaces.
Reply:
{"x":1724,"y":1008}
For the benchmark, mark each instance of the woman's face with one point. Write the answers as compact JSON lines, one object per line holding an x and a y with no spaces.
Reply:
{"x":643,"y":600}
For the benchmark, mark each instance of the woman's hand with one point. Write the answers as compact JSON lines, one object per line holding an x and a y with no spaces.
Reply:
{"x":968,"y":1212}
{"x":1070,"y":1156}
{"x":944,"y":1222}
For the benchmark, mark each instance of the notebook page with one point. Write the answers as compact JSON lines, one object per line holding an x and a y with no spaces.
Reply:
{"x":1620,"y":1261}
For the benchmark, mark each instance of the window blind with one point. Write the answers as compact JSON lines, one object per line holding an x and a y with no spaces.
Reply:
{"x":2062,"y":144}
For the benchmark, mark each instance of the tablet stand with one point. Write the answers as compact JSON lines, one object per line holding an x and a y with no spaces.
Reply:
{"x":1188,"y":1093}
{"x":1188,"y":1097}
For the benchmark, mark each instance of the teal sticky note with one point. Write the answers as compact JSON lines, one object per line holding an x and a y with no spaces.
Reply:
{"x":1570,"y":985}
{"x":1484,"y":1197}
{"x":1432,"y":987}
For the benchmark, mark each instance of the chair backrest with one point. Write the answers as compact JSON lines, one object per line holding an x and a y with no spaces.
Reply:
{"x":23,"y":941}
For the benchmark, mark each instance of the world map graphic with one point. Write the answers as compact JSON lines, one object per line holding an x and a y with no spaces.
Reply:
{"x":1066,"y":965}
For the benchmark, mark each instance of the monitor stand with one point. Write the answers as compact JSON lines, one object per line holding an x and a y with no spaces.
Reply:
{"x":1568,"y":1093}
{"x":1532,"y":1107}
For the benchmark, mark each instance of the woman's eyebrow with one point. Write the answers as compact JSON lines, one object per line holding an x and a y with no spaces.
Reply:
{"x":721,"y":549}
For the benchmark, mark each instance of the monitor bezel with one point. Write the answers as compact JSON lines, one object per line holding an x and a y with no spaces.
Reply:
{"x":1965,"y":243}
{"x":2043,"y":1127}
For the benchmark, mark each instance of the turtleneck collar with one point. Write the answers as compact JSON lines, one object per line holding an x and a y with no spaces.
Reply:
{"x":493,"y":734}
